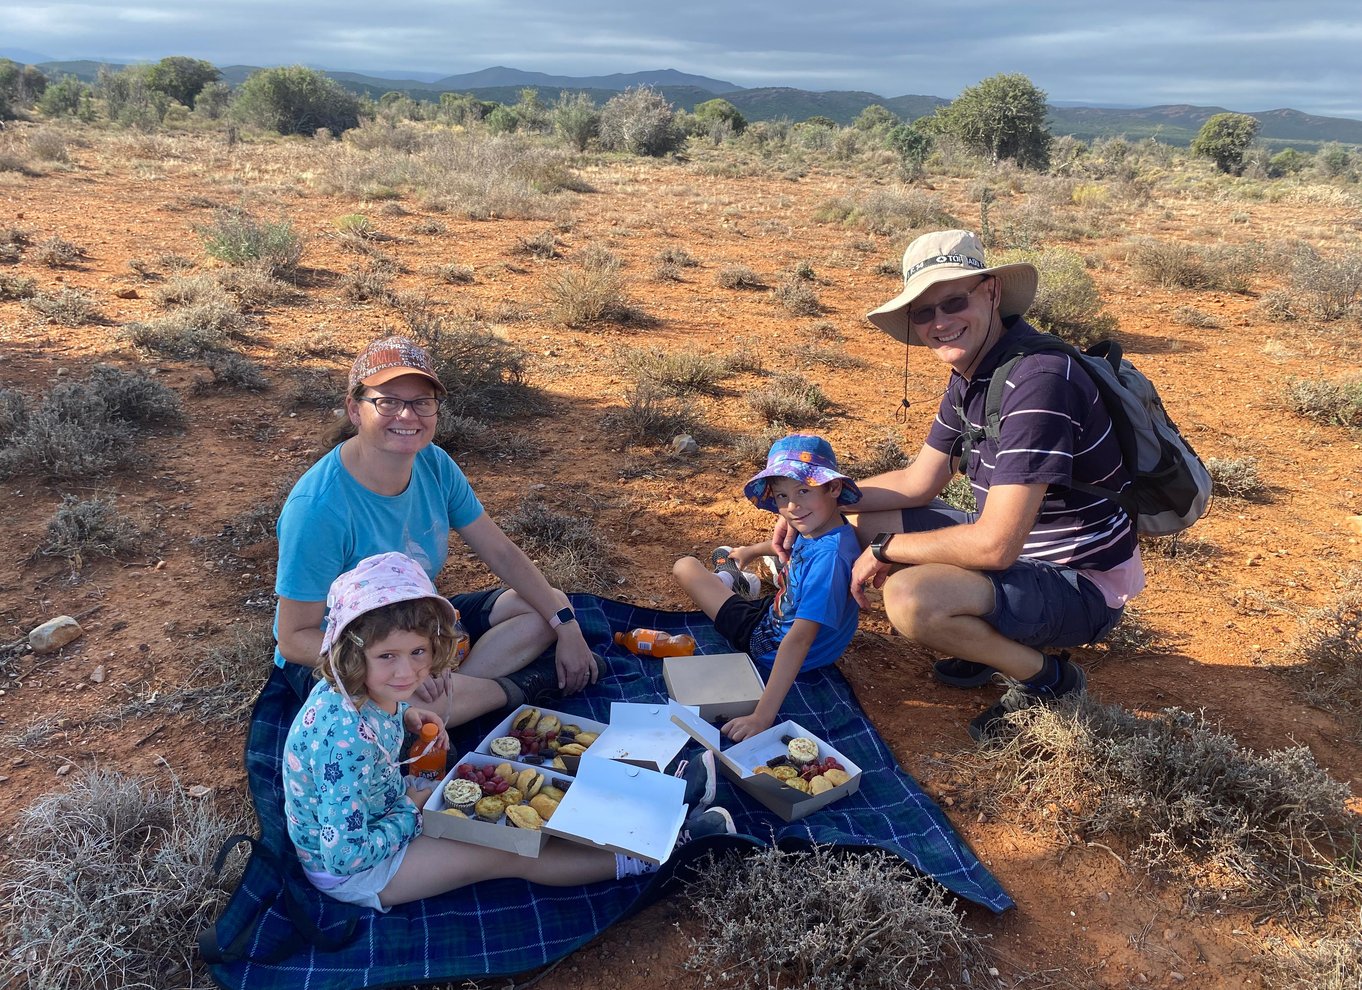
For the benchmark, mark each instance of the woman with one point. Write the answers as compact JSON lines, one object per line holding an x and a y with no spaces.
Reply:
{"x":387,"y":487}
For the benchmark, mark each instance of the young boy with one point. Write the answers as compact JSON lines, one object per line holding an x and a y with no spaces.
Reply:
{"x":812,"y":617}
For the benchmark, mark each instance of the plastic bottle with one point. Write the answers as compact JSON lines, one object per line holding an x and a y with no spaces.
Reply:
{"x":430,"y":765}
{"x":651,"y":643}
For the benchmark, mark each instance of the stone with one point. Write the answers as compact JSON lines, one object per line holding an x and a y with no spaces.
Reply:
{"x":98,"y":674}
{"x":684,"y":443}
{"x":200,"y":791}
{"x":55,"y":633}
{"x":127,"y":294}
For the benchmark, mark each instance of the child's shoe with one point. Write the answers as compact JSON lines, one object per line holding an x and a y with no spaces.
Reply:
{"x":715,"y":821}
{"x":702,"y":781}
{"x":744,"y":584}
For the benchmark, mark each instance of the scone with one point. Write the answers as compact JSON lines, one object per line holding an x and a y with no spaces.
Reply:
{"x":490,"y":809}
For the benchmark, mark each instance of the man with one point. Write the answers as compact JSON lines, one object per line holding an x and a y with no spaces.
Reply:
{"x":1040,"y":565}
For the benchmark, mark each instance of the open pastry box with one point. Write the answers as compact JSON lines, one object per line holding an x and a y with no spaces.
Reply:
{"x":722,"y":685}
{"x":739,"y":761}
{"x":503,"y":728}
{"x":610,"y":805}
{"x":641,"y":734}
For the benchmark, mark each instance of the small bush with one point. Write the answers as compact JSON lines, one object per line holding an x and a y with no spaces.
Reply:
{"x":569,"y":552}
{"x":677,"y":256}
{"x":1185,"y":796}
{"x":1235,"y":477}
{"x":1190,"y":266}
{"x":823,"y":920}
{"x":58,"y":253}
{"x":254,"y":287}
{"x":883,"y":455}
{"x":651,"y":416}
{"x":582,"y":296}
{"x":233,"y":370}
{"x":109,"y":881}
{"x":67,"y":308}
{"x":314,"y":343}
{"x":797,"y":296}
{"x":641,"y":122}
{"x":1332,"y":403}
{"x":738,"y":277}
{"x":1190,"y":316}
{"x":1329,"y":648}
{"x":790,"y":399}
{"x":960,"y":494}
{"x":182,"y":290}
{"x":81,"y":530}
{"x":543,"y":245}
{"x":370,"y":283}
{"x":429,"y":226}
{"x":678,"y":373}
{"x":236,"y":237}
{"x":16,"y":287}
{"x":455,"y":274}
{"x":484,"y":375}
{"x":1325,"y":288}
{"x":191,"y":331}
{"x":1067,"y":303}
{"x":224,"y":680}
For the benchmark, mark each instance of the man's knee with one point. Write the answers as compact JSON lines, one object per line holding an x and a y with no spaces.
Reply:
{"x":919,"y":600}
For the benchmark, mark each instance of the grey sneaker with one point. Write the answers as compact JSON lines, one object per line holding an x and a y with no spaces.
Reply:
{"x":989,"y":724}
{"x":715,"y":821}
{"x":702,"y":781}
{"x":744,"y":584}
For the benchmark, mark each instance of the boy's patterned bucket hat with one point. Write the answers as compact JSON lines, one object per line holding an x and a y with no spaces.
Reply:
{"x":392,"y":357}
{"x":804,"y":458}
{"x":376,"y":581}
{"x":942,"y":256}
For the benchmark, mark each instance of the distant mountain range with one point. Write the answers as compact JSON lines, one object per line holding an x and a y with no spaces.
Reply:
{"x":1172,"y":124}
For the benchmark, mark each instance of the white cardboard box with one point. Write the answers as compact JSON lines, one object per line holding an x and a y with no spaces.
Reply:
{"x":722,"y":686}
{"x":623,"y":808}
{"x":503,"y":728}
{"x":610,"y":805}
{"x":641,"y":734}
{"x":495,"y":835}
{"x":739,"y":761}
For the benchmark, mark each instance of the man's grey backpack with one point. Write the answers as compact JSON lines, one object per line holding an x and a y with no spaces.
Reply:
{"x":1171,"y":488}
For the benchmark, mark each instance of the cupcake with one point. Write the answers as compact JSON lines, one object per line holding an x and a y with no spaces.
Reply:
{"x":462,"y":794}
{"x":802,"y":750}
{"x":507,"y":747}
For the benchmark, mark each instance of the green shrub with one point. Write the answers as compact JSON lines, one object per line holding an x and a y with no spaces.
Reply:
{"x":797,"y":296}
{"x":371,"y":282}
{"x":1332,"y":403}
{"x":295,"y":100}
{"x":455,"y":274}
{"x":233,"y":370}
{"x":543,"y":245}
{"x":884,"y":454}
{"x":238,"y":238}
{"x":582,"y":296}
{"x":1327,"y":289}
{"x":576,"y":119}
{"x":790,"y":399}
{"x":16,"y":287}
{"x":483,"y":374}
{"x":677,"y":373}
{"x":1067,"y":303}
{"x":1329,"y":649}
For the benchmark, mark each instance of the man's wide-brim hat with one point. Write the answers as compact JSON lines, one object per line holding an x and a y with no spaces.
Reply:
{"x":943,"y":256}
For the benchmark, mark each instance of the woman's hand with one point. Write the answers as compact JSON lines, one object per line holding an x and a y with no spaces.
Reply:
{"x":576,"y":664}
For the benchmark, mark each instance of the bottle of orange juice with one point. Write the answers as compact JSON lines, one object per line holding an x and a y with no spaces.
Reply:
{"x":427,"y":761}
{"x":651,"y":643}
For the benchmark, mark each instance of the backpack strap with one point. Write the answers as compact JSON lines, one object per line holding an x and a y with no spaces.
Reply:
{"x":1107,"y":350}
{"x":295,"y":906}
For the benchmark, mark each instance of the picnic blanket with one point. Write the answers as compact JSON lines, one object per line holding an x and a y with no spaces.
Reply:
{"x":277,"y":931}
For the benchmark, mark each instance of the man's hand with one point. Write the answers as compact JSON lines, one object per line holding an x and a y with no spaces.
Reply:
{"x":867,"y":570}
{"x":783,"y":539}
{"x":742,"y":728}
{"x":576,"y":665}
{"x":437,"y":694}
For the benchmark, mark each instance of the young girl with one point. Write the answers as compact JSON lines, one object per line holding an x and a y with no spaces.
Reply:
{"x":355,"y":824}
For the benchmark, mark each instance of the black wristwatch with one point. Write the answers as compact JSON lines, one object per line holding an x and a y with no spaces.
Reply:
{"x":564,"y":614}
{"x":878,"y":544}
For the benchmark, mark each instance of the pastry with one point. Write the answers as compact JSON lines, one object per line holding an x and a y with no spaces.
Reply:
{"x":512,"y":795}
{"x":490,"y":809}
{"x":802,"y":750}
{"x":836,"y":777}
{"x":785,"y":773}
{"x":525,"y":718}
{"x":545,"y":805}
{"x":585,"y":738}
{"x":798,"y":783}
{"x":507,"y":747}
{"x":549,"y":791}
{"x":523,"y":816}
{"x":572,"y":749}
{"x":506,"y":772}
{"x":529,"y":782}
{"x":454,"y":812}
{"x":462,"y":794}
{"x":819,"y":784}
{"x":546,"y":724}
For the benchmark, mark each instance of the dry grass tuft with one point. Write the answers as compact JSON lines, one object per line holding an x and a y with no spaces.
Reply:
{"x":568,"y":550}
{"x":83,"y":529}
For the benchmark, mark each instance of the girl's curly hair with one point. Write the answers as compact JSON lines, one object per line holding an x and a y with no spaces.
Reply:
{"x":419,"y":615}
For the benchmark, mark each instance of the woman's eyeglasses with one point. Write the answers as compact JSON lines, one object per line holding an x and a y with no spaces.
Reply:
{"x":389,"y":405}
{"x":950,"y":306}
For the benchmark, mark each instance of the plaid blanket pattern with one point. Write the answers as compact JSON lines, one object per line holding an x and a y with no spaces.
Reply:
{"x":508,"y":926}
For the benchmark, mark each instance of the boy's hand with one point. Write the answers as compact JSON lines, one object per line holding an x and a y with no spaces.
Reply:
{"x":741,"y":728}
{"x":417,"y":717}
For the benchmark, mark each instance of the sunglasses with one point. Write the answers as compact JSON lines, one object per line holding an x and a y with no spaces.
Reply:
{"x":949,"y":306}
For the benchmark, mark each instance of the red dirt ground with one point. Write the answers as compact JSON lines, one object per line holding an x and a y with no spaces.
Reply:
{"x":1222,"y":613}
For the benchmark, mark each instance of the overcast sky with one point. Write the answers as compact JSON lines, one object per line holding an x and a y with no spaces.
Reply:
{"x":1244,"y":55}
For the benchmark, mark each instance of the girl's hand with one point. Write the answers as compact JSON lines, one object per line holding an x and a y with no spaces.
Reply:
{"x":419,"y":791}
{"x":417,"y":717}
